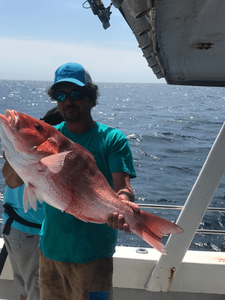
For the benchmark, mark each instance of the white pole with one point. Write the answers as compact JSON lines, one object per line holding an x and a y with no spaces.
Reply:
{"x":190,"y":216}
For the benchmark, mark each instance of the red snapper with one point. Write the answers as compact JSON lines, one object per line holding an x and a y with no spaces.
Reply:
{"x":64,"y":175}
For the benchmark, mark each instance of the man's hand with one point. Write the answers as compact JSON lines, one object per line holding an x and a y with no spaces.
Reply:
{"x":121,"y":183}
{"x":117,"y":221}
{"x":133,"y":205}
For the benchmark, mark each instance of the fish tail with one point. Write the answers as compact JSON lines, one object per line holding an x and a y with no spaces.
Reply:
{"x":152,"y":228}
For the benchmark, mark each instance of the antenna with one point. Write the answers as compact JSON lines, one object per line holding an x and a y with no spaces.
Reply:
{"x":101,"y":11}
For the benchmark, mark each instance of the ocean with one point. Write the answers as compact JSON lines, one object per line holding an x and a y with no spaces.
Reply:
{"x":170,"y":129}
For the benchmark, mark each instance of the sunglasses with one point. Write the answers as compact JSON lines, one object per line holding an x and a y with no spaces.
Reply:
{"x":74,"y":95}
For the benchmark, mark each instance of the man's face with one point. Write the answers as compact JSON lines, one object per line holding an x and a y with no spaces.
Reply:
{"x":73,"y":110}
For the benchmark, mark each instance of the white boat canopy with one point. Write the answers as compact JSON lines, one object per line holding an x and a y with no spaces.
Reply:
{"x":182,"y":41}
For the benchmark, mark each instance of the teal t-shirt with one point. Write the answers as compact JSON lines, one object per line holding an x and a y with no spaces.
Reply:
{"x":65,"y":238}
{"x":14,"y":197}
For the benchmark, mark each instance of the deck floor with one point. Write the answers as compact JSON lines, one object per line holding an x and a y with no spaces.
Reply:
{"x":8,"y":290}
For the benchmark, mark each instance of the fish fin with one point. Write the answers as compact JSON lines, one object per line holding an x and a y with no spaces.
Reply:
{"x":151,"y":228}
{"x":26,"y":204}
{"x":54,"y":162}
{"x":29,"y":198}
{"x":40,"y":200}
{"x":32,"y":197}
{"x":49,"y":146}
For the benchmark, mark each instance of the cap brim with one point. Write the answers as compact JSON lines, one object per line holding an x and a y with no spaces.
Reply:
{"x":75,"y":81}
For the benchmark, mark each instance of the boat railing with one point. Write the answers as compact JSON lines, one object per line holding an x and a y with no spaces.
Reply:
{"x":175,"y":207}
{"x":178,"y":207}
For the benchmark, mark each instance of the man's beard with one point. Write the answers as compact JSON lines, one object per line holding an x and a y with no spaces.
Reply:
{"x":73,"y":115}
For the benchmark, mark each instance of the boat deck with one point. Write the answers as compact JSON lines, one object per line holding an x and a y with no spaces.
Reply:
{"x":8,"y":290}
{"x":200,"y":276}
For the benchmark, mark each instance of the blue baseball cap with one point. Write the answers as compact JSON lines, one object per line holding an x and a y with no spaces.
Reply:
{"x":72,"y":72}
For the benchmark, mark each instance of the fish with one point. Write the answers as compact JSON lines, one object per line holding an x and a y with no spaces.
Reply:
{"x":65,"y":175}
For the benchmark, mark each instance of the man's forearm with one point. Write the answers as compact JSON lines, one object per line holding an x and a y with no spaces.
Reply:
{"x":126,"y":194}
{"x":12,"y":179}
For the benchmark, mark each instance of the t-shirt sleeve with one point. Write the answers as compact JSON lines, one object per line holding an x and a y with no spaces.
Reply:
{"x":119,"y":154}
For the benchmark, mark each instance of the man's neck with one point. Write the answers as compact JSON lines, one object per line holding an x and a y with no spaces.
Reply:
{"x":80,"y":127}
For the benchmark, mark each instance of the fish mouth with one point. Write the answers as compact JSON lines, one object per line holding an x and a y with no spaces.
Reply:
{"x":11,"y":118}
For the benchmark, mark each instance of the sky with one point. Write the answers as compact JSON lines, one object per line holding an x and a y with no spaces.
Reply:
{"x":36,"y":37}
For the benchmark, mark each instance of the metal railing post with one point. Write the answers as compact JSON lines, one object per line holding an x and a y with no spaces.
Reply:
{"x":190,"y":216}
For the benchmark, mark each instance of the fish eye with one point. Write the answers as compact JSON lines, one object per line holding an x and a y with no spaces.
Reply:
{"x":38,"y":126}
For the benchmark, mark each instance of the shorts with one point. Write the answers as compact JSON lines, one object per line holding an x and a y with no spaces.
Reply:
{"x":63,"y":281}
{"x":24,"y":257}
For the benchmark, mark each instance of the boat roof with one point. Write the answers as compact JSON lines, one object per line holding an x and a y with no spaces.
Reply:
{"x":182,"y":41}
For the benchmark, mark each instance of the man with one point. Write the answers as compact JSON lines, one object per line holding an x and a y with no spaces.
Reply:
{"x":21,"y":235}
{"x":76,"y":257}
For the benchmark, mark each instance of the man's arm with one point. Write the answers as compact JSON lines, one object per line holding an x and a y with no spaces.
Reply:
{"x":121,"y":184}
{"x":12,"y":179}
